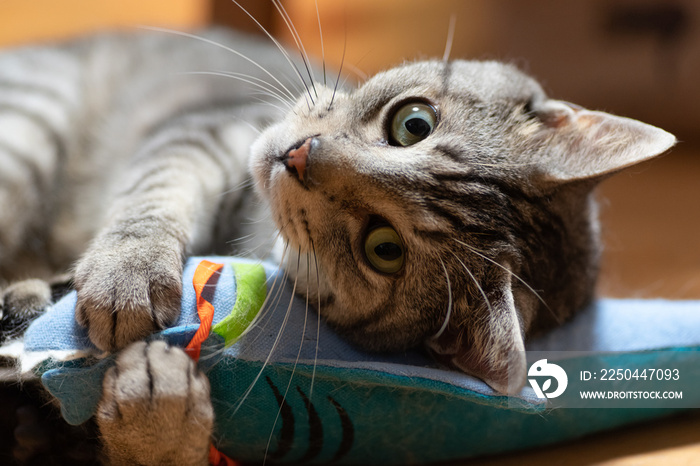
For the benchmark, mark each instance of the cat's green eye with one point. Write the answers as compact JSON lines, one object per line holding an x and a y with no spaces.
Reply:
{"x":412,"y":123}
{"x":384,"y":249}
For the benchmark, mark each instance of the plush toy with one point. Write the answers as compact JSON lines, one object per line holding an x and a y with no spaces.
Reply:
{"x":278,"y":375}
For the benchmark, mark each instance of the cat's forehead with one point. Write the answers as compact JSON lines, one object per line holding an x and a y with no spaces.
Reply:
{"x":485,"y":81}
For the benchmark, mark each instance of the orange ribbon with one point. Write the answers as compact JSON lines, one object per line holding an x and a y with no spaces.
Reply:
{"x":206,"y":276}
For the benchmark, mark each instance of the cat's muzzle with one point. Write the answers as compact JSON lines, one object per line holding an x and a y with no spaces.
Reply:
{"x":296,"y":159}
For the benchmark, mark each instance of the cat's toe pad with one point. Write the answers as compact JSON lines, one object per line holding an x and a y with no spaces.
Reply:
{"x":156,"y":404}
{"x":127,"y":293}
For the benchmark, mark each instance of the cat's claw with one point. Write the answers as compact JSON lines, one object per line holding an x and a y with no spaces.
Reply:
{"x":155,"y":408}
{"x":128,"y":291}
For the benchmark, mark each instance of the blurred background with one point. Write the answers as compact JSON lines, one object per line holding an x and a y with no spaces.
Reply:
{"x":637,"y":58}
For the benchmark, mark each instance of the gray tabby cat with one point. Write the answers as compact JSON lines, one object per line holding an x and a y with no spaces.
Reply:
{"x":446,"y":203}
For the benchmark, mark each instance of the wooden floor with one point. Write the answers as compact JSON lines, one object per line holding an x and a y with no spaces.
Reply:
{"x":651,"y":225}
{"x":671,"y":441}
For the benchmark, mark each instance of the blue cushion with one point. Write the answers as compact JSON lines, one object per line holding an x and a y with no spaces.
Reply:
{"x":347,"y":405}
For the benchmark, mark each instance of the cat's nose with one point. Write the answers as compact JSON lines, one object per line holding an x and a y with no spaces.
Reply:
{"x":296,"y":159}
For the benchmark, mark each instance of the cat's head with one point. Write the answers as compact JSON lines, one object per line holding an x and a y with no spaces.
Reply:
{"x":445,"y":203}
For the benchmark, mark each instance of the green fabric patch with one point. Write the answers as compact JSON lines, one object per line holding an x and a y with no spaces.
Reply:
{"x":251,"y":289}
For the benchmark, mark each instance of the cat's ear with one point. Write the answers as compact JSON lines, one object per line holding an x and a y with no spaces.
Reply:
{"x":492,"y":348}
{"x":581,"y":144}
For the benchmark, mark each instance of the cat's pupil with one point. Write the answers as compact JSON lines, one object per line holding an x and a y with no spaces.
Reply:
{"x":418,"y":127}
{"x":388,"y":251}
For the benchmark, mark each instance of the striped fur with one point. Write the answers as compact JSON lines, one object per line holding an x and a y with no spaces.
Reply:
{"x":495,"y":208}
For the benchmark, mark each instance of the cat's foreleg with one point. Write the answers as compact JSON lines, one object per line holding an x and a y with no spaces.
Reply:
{"x":129,"y":280}
{"x":155,"y":408}
{"x":39,"y":107}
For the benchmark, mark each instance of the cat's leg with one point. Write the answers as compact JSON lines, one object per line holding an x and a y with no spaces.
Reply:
{"x":129,"y":280}
{"x":40,"y":103}
{"x":155,"y":408}
{"x":23,"y":301}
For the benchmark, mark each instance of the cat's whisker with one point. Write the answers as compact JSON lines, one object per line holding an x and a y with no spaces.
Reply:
{"x":261,"y":92}
{"x":279,"y":46}
{"x":283,"y":259}
{"x":450,"y":38}
{"x":224,"y":47}
{"x":259,"y":82}
{"x":340,"y":71}
{"x":476,"y":283}
{"x":320,"y":33}
{"x":261,"y":98}
{"x":256,"y":130}
{"x":318,"y":319}
{"x":270,"y":104}
{"x":241,"y":239}
{"x":268,"y":88}
{"x":443,"y":327}
{"x":256,"y":97}
{"x":278,"y":295}
{"x":345,"y":80}
{"x":254,"y":221}
{"x":272,"y":298}
{"x":354,"y":69}
{"x":245,"y":184}
{"x":255,"y":251}
{"x":264,"y":308}
{"x":266,"y":243}
{"x":516,"y":276}
{"x":297,"y":40}
{"x":259,"y":317}
{"x":296,"y":362}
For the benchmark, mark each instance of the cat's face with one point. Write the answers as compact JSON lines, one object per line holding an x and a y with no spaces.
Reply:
{"x":443,"y":202}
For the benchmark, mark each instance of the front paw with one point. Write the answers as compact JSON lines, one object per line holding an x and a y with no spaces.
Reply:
{"x":20,"y":304}
{"x":128,"y":290}
{"x":155,"y":408}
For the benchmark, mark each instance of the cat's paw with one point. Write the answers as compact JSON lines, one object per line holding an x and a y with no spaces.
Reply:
{"x":155,"y":408}
{"x":128,"y":290}
{"x":20,"y":304}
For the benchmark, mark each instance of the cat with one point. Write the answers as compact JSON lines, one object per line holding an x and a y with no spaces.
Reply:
{"x":445,"y":203}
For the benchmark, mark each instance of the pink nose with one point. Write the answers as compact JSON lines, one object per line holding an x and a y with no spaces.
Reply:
{"x":295,"y":160}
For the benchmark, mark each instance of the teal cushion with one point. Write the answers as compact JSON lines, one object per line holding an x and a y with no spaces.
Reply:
{"x":292,"y":390}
